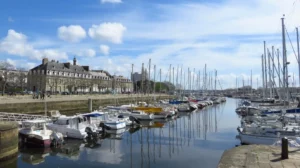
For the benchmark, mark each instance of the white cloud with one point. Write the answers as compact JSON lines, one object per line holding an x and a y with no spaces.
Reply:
{"x":10,"y":19}
{"x":86,"y":53}
{"x":111,"y":32}
{"x":72,"y":33}
{"x":21,"y":63}
{"x":16,"y":44}
{"x":111,"y":1}
{"x":104,"y":49}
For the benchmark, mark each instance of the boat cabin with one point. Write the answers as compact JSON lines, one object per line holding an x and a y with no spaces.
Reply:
{"x":36,"y":124}
{"x":76,"y":122}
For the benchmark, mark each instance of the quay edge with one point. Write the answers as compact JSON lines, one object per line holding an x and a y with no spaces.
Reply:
{"x":70,"y":106}
{"x":258,"y":156}
{"x":9,"y":146}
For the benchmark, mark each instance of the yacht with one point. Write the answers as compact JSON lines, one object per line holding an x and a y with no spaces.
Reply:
{"x":267,"y":135}
{"x":110,"y":121}
{"x":34,"y":132}
{"x":140,"y":115}
{"x":72,"y":126}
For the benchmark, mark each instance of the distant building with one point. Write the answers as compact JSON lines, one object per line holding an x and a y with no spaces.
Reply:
{"x":138,"y":77}
{"x":66,"y":77}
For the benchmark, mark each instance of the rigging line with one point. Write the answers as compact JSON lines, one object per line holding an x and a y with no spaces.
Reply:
{"x":291,"y":44}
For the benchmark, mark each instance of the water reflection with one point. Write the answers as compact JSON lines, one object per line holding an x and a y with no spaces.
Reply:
{"x":192,"y":139}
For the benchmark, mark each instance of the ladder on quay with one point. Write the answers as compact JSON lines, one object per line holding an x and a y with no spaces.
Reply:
{"x":6,"y":116}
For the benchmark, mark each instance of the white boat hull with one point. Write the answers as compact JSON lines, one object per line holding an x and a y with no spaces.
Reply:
{"x":68,"y":132}
{"x":259,"y":139}
{"x":115,"y":125}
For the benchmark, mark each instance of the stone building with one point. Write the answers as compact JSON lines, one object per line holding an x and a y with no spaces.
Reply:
{"x":58,"y":77}
{"x":121,"y":84}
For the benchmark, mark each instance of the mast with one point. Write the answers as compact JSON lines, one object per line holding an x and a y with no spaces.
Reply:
{"x":263,"y":75}
{"x":199,"y":80}
{"x":170,"y":73}
{"x":205,"y":78}
{"x":251,"y":83}
{"x":177,"y":75}
{"x":132,"y":77}
{"x":285,"y":78}
{"x":149,"y":83}
{"x":154,"y":79}
{"x":215,"y":82}
{"x":266,"y":74}
{"x":173,"y":79}
{"x":273,"y":71}
{"x":142,"y":83}
{"x":298,"y":49}
{"x":188,"y":78}
{"x":193,"y":83}
{"x":159,"y":82}
{"x":279,"y":69}
{"x":270,"y":79}
{"x":181,"y":86}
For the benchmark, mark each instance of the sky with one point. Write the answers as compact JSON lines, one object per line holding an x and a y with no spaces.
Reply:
{"x":226,"y":35}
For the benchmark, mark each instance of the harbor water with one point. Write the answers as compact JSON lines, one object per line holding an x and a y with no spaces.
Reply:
{"x":195,"y":139}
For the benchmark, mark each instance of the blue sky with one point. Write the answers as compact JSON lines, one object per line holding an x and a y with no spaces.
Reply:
{"x":226,"y":35}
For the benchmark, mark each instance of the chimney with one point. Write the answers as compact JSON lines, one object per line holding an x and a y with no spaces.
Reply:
{"x":45,"y":61}
{"x":87,"y":68}
{"x":74,"y":61}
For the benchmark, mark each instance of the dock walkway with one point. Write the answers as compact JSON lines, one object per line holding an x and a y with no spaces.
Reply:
{"x":259,"y":156}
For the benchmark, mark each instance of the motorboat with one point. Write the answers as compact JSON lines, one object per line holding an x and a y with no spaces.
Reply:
{"x":34,"y":132}
{"x":113,"y":122}
{"x":162,"y":115}
{"x":125,"y":119}
{"x":73,"y":126}
{"x":140,"y":115}
{"x":267,"y":135}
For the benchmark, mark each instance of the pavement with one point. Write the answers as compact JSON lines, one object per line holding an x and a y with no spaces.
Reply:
{"x":29,"y":99}
{"x":259,"y":156}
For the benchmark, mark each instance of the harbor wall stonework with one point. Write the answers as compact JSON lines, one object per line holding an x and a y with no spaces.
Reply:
{"x":8,"y":140}
{"x":70,"y":106}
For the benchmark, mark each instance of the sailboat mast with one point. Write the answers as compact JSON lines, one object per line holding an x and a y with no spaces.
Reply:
{"x":170,"y":73}
{"x":181,"y":86}
{"x":199,"y":81}
{"x":193,"y":83}
{"x":149,"y":83}
{"x":263,"y":75}
{"x":154,"y":79}
{"x":159,"y":81}
{"x":188,"y":78}
{"x":270,"y":76}
{"x":173,"y":79}
{"x":279,"y":69}
{"x":266,"y":73}
{"x":298,"y":50}
{"x":132,"y":80}
{"x":285,"y":79}
{"x":215,"y":82}
{"x":142,"y":83}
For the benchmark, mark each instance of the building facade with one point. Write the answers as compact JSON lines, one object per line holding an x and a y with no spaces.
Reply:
{"x":56,"y":77}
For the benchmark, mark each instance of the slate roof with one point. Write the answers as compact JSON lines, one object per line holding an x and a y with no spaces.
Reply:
{"x":63,"y":67}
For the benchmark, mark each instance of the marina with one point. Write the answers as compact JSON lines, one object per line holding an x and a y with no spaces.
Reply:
{"x":199,"y":136}
{"x":150,"y":84}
